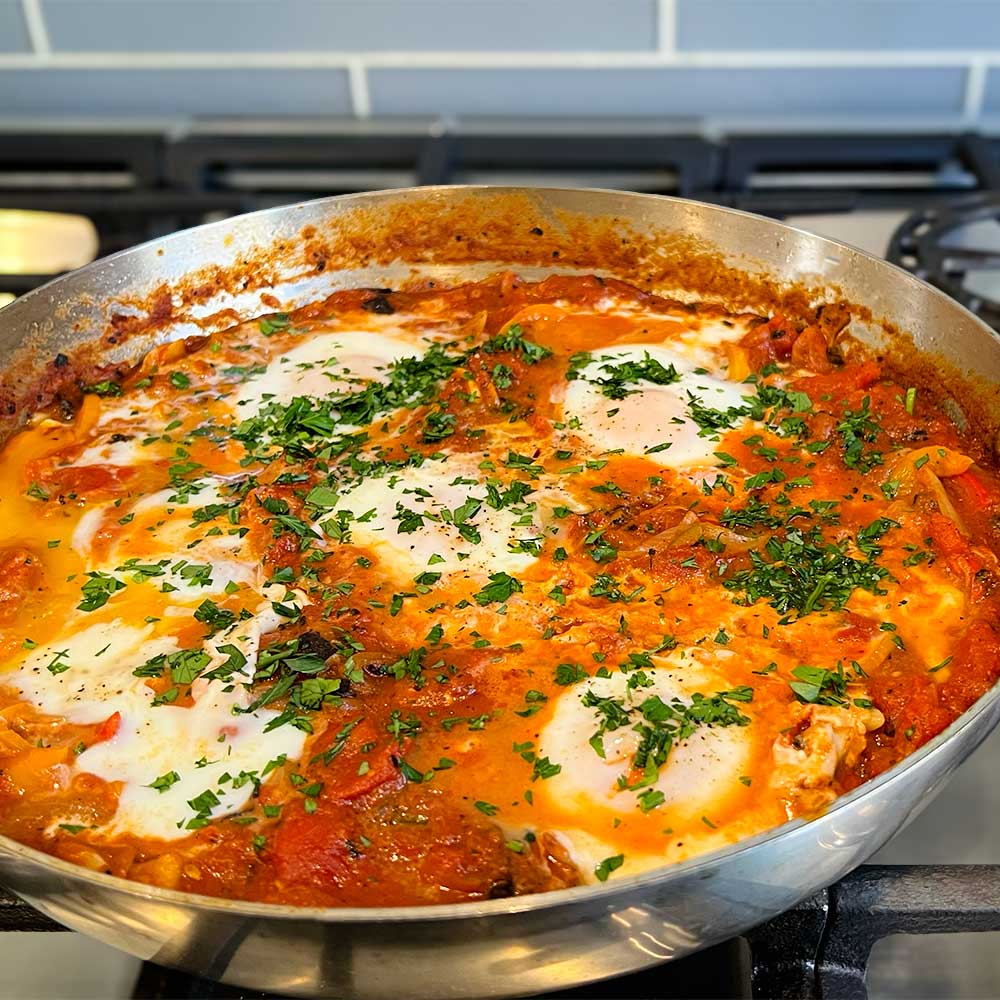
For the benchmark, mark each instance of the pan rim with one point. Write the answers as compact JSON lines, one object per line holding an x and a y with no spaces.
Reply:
{"x":660,"y":876}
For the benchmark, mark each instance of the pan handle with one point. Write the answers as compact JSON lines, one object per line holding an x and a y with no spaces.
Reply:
{"x":820,"y":949}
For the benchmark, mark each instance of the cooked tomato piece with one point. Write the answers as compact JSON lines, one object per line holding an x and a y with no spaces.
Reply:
{"x":21,"y":573}
{"x":108,"y":729}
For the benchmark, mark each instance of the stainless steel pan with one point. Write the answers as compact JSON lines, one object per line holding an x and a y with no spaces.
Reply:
{"x":116,"y":308}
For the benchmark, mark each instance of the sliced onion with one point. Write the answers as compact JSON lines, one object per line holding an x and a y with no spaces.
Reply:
{"x":878,"y":654}
{"x":935,"y":487}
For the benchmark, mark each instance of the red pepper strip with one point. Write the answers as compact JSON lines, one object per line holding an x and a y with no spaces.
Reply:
{"x":976,"y":488}
{"x":108,"y":729}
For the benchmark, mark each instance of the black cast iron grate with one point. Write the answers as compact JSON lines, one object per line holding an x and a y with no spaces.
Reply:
{"x":819,"y":950}
{"x":141,"y":185}
{"x":934,"y":244}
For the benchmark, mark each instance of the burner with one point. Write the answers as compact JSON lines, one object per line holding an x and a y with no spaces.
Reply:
{"x":955,"y":245}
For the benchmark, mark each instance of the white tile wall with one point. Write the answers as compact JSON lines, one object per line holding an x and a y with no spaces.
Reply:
{"x":863,"y":63}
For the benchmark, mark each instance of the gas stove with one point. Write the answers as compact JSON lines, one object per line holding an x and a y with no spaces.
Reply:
{"x":930,"y":202}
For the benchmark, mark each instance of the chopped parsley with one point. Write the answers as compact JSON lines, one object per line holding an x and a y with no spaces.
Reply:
{"x":608,"y":587}
{"x":500,"y":588}
{"x":615,"y":384}
{"x":857,"y":430}
{"x":270,"y":325}
{"x":660,"y":725}
{"x":607,"y":866}
{"x":58,"y":664}
{"x":815,"y":685}
{"x":302,"y":427}
{"x":104,"y":388}
{"x":98,"y":588}
{"x":513,"y":340}
{"x":570,"y":673}
{"x":804,"y":573}
{"x":36,"y":492}
{"x":165,"y":781}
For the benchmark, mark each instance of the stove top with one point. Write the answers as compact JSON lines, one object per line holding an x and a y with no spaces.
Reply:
{"x":929,"y":201}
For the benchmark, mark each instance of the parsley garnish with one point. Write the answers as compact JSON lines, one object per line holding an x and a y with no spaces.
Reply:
{"x":98,"y":588}
{"x":544,"y":768}
{"x":619,"y":377}
{"x":940,"y":666}
{"x":409,"y":772}
{"x":269,"y":325}
{"x":164,"y":781}
{"x":608,"y":587}
{"x":662,"y":725}
{"x":439,"y":425}
{"x":650,"y":799}
{"x":805,"y":573}
{"x":570,"y":673}
{"x":216,"y":618}
{"x":857,"y":430}
{"x":499,"y":589}
{"x":607,"y":866}
{"x":58,"y":664}
{"x":307,"y":423}
{"x":105,"y":388}
{"x":814,"y":685}
{"x":513,"y":340}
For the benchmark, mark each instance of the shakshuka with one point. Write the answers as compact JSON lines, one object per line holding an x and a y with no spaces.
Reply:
{"x":458,"y":593}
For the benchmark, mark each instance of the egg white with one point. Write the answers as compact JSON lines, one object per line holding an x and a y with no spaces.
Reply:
{"x":433,"y":490}
{"x":201,"y":743}
{"x":323,"y":364}
{"x":228,"y":556}
{"x":651,"y":415}
{"x":156,"y":740}
{"x":123,"y":454}
{"x":699,"y":773}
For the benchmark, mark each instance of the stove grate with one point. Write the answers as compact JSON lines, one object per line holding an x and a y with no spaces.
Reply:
{"x":143,"y":185}
{"x":956,"y":247}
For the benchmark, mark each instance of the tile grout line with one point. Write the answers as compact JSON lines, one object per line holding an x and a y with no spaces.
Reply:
{"x":38,"y":33}
{"x":712,"y":125}
{"x":361,"y":102}
{"x":666,"y":27}
{"x":975,"y":91}
{"x":501,"y":60}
